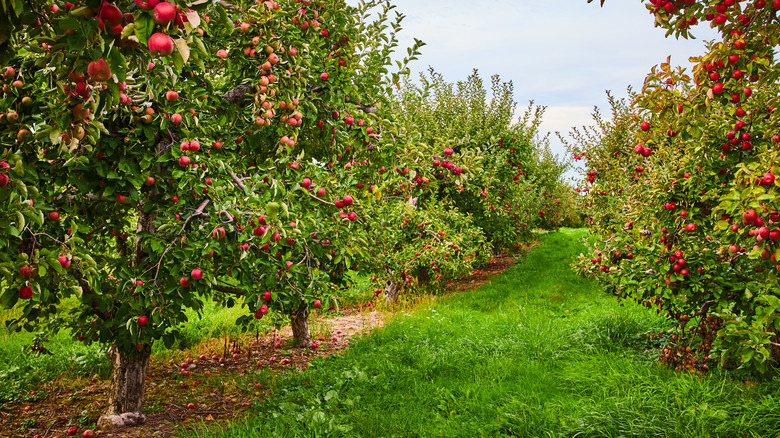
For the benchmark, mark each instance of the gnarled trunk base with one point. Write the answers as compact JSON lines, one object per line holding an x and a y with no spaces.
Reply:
{"x":300,"y":326}
{"x":391,"y":291}
{"x":126,"y":389}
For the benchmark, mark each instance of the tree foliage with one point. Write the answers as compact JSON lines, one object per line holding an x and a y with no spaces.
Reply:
{"x":682,"y":193}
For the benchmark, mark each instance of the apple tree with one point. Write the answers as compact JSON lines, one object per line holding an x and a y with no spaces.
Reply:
{"x":681,"y":185}
{"x":156,"y":155}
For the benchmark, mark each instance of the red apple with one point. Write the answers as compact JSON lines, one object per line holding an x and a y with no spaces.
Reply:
{"x":147,"y":4}
{"x":306,"y":183}
{"x":317,"y":304}
{"x":55,"y":216}
{"x":172,"y":96}
{"x":164,"y":13}
{"x":110,"y":15}
{"x":99,"y":70}
{"x":321,"y":191}
{"x":324,"y":76}
{"x":149,"y":181}
{"x":347,"y":200}
{"x":160,"y":43}
{"x":185,"y":282}
{"x":26,"y":272}
{"x":72,"y":430}
{"x":176,"y":118}
{"x":64,"y":261}
{"x":143,"y":320}
{"x":196,"y":274}
{"x":25,"y":292}
{"x":88,"y":433}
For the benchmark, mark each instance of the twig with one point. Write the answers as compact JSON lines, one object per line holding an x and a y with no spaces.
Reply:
{"x":321,"y":200}
{"x":197,"y":212}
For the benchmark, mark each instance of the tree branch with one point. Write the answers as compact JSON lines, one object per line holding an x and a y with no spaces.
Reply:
{"x":704,"y":308}
{"x":321,"y":200}
{"x":236,"y":180}
{"x":87,"y":290}
{"x":229,"y":290}
{"x":237,"y":94}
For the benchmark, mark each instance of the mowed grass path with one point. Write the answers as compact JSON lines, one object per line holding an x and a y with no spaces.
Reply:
{"x":537,"y":352}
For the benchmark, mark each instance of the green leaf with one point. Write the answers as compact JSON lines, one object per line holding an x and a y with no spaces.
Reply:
{"x":9,"y":298}
{"x":144,"y":25}
{"x":70,"y":23}
{"x":118,"y":65}
{"x":183,"y":49}
{"x":20,"y":222}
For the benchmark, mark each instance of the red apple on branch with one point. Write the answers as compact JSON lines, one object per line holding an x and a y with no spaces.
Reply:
{"x":164,"y":13}
{"x":160,"y":44}
{"x":99,"y":70}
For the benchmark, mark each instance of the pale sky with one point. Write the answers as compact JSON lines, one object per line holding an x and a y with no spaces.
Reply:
{"x":562,"y":54}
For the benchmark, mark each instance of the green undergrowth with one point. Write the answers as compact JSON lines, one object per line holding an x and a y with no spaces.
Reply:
{"x":24,"y":373}
{"x":538,"y":351}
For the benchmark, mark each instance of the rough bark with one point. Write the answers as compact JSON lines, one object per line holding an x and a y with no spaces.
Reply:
{"x":424,"y":278}
{"x":300,"y":326}
{"x":237,"y":94}
{"x":126,"y":388}
{"x":774,"y":350}
{"x":391,"y":291}
{"x":145,"y":224}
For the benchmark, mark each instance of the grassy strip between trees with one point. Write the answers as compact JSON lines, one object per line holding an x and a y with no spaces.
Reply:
{"x":537,"y":352}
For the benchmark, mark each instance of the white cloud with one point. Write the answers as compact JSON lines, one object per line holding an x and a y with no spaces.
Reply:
{"x":563,"y":54}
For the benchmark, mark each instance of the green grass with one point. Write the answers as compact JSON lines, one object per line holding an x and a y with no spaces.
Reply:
{"x":538,"y":351}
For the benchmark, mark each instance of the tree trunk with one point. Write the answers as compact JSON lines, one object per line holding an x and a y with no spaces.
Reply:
{"x":774,"y":349}
{"x":391,"y":291}
{"x":424,"y":278}
{"x":300,"y":326}
{"x":126,"y":388}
